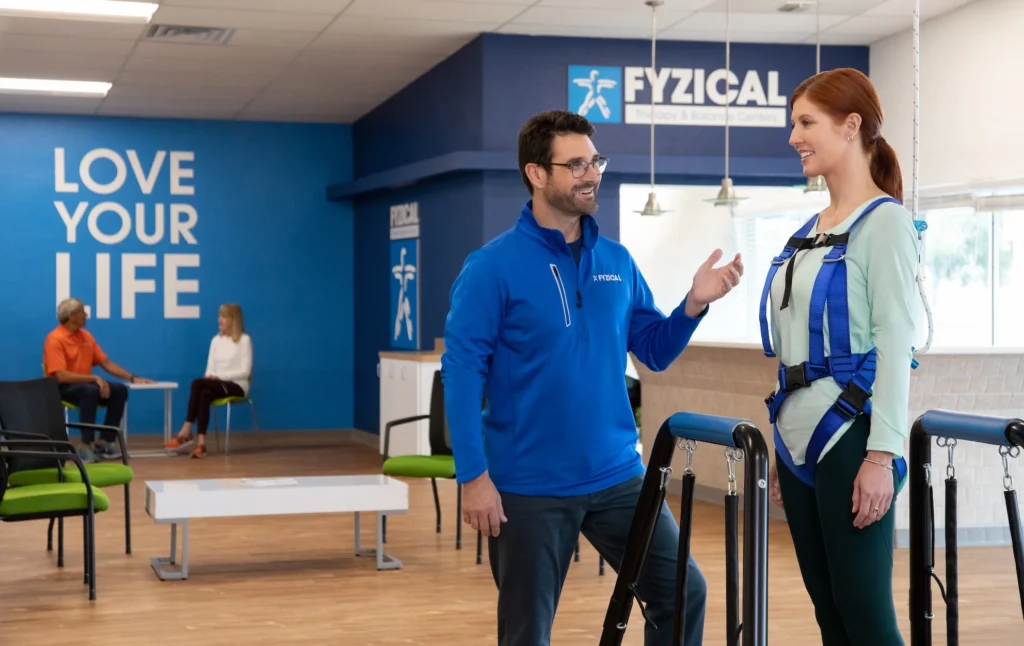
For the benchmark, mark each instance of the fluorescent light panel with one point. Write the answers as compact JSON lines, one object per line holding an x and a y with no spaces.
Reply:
{"x":100,"y":10}
{"x":53,"y":87}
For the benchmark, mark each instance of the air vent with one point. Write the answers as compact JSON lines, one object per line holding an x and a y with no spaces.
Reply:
{"x":794,"y":6}
{"x":189,"y":35}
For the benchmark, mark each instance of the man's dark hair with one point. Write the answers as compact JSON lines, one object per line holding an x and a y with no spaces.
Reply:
{"x":536,"y":136}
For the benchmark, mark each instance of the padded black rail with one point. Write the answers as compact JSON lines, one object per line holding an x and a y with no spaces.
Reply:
{"x":735,"y":434}
{"x":950,"y":427}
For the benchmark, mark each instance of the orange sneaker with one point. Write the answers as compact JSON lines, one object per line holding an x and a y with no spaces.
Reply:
{"x":177,"y":442}
{"x":199,"y":452}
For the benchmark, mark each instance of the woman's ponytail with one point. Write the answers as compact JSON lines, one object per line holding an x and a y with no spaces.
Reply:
{"x":885,"y":168}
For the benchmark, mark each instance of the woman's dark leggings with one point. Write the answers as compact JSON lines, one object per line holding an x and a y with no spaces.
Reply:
{"x":847,"y":571}
{"x":204,"y":392}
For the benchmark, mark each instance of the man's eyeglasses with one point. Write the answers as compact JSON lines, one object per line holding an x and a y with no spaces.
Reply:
{"x":580,"y":167}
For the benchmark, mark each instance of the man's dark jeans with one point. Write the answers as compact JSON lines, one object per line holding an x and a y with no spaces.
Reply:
{"x":531,"y":556}
{"x":87,"y":398}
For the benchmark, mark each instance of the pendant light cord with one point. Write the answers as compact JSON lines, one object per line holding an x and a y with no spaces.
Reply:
{"x":728,"y":73}
{"x":817,"y":30}
{"x":654,"y":72}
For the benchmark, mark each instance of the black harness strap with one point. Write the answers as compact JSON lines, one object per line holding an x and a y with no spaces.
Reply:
{"x":1017,"y":537}
{"x":683,"y":558}
{"x":732,"y":570}
{"x":952,"y":595}
{"x":803,"y":244}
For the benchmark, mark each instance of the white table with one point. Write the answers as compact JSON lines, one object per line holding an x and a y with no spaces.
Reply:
{"x":168,"y":387}
{"x":175,"y":502}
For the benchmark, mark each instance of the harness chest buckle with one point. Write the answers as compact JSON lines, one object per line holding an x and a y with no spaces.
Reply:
{"x":794,"y":378}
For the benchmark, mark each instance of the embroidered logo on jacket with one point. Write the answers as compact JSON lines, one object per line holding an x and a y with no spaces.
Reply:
{"x":605,"y":278}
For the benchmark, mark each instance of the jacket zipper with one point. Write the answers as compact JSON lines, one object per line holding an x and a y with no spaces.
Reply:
{"x":562,"y":295}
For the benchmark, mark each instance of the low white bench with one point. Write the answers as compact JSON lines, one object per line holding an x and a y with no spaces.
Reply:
{"x":175,"y":502}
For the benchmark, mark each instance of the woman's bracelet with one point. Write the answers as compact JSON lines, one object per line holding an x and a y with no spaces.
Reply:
{"x":881,"y":464}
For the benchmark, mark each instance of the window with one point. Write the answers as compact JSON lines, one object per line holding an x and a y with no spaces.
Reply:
{"x":972,"y":257}
{"x":956,"y":258}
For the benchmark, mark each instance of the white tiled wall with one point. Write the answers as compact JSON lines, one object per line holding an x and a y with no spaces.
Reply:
{"x":734,"y":381}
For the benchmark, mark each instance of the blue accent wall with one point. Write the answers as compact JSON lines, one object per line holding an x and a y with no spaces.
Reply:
{"x":440,"y":112}
{"x":255,"y":229}
{"x":448,"y":141}
{"x":524,"y":75}
{"x":451,"y":227}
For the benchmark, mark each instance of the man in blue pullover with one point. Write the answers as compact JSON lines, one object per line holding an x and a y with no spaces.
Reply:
{"x":540,"y":323}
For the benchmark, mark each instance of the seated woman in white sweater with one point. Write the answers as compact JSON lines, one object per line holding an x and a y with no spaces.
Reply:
{"x":227,"y":374}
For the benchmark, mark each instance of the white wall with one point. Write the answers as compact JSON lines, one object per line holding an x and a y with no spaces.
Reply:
{"x":971,"y":95}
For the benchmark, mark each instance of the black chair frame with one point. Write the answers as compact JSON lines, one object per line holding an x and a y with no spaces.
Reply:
{"x":88,"y":514}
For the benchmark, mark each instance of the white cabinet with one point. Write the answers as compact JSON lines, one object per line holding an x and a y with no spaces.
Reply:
{"x":405,"y":385}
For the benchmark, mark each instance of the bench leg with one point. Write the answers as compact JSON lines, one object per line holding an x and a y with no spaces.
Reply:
{"x":384,"y":561}
{"x":160,"y":563}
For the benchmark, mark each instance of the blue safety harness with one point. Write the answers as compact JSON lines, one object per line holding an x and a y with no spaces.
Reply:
{"x":855,"y":373}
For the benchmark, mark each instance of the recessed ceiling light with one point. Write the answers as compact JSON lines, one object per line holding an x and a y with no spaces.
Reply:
{"x":53,"y":87}
{"x":102,"y":10}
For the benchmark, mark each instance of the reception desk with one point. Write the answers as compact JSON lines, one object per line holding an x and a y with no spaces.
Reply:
{"x":406,"y":379}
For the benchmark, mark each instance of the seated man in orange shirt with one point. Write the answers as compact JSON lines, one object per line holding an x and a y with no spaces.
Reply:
{"x":69,"y":354}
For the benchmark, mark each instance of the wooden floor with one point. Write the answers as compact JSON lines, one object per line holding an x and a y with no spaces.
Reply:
{"x":294,"y":580}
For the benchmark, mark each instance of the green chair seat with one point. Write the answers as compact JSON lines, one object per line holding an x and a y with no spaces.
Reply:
{"x":100,"y":475}
{"x":50,"y":498}
{"x":420,"y":466}
{"x":227,"y":400}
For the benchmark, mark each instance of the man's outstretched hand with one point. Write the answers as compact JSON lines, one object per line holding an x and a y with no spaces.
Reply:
{"x":711,"y":283}
{"x":481,"y":506}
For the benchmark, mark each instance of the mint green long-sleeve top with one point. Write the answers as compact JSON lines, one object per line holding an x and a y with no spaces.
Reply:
{"x":882,"y":259}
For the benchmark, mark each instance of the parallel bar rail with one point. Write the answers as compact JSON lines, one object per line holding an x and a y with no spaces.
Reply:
{"x":982,"y":429}
{"x":721,"y":431}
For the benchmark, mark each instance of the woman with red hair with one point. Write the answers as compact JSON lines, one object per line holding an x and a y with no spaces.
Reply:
{"x":842,"y":298}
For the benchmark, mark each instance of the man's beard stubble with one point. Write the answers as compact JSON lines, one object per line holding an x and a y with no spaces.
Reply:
{"x":571,"y":202}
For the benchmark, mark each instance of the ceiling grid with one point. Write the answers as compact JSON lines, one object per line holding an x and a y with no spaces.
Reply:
{"x":300,"y":60}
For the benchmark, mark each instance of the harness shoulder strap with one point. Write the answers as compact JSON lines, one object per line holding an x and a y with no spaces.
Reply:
{"x":787,"y":252}
{"x":830,"y":288}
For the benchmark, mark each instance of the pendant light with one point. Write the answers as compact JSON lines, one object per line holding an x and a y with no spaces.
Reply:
{"x":653,"y":207}
{"x":727,"y":194}
{"x":817,"y":183}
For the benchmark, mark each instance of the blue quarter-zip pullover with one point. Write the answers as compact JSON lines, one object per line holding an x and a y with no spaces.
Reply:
{"x":545,"y":342}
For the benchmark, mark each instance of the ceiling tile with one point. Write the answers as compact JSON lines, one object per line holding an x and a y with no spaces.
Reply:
{"x":370,"y":44}
{"x":754,"y":36}
{"x":828,"y":7}
{"x":271,"y":38}
{"x":304,"y":6}
{"x":191,"y":93}
{"x":49,"y":104}
{"x":872,"y":26}
{"x":641,"y":32}
{"x":197,"y":78}
{"x":68,"y":44}
{"x":753,"y":22}
{"x":401,"y":27}
{"x":176,"y":51}
{"x":929,"y":8}
{"x":72,"y":28}
{"x":11,"y":60}
{"x":543,"y":15}
{"x":200,"y":65}
{"x":276,"y":20}
{"x":300,"y":116}
{"x":628,"y":5}
{"x":448,"y":10}
{"x":169,"y":111}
